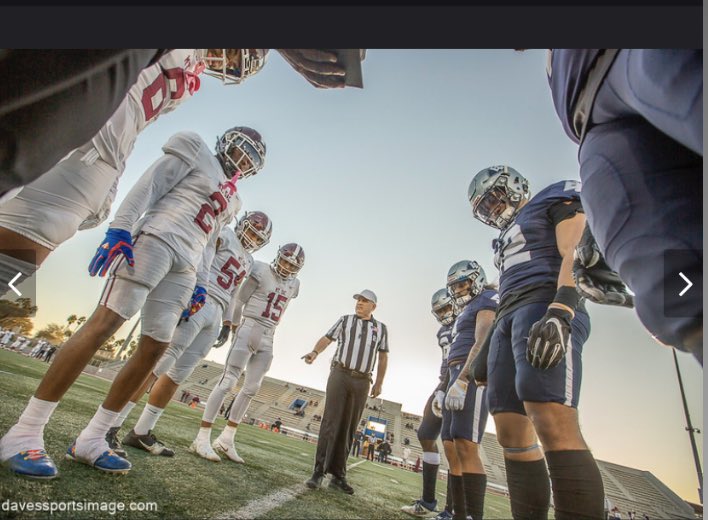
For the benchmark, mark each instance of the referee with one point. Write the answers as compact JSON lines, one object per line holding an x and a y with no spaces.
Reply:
{"x":359,"y":339}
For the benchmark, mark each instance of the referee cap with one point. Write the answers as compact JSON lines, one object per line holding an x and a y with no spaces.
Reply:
{"x":367,"y":295}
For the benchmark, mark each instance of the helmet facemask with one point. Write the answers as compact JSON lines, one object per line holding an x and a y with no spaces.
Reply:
{"x":289,"y":261}
{"x":497,"y":194}
{"x":465,"y":280}
{"x":233,"y":66}
{"x":254,"y":230}
{"x":249,"y":150}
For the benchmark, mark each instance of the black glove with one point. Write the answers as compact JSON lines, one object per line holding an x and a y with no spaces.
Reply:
{"x":594,"y":279}
{"x":478,"y":369}
{"x":549,"y":339}
{"x":318,"y":66}
{"x":223,"y":336}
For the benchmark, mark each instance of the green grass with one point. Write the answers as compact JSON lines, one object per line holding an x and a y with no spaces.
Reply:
{"x":187,"y":486}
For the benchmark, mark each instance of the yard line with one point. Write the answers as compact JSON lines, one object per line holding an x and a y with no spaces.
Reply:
{"x":263,"y":505}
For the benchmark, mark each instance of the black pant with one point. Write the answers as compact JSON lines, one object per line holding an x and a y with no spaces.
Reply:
{"x":346,"y":397}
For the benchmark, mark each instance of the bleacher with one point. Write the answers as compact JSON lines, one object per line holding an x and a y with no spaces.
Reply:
{"x":627,"y":488}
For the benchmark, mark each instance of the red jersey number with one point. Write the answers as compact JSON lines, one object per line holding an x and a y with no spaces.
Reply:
{"x":232,"y":274}
{"x":275,"y":303}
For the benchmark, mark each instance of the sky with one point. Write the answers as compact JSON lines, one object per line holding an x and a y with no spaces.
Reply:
{"x":372,"y":183}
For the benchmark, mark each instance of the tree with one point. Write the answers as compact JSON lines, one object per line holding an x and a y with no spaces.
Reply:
{"x":71,"y":320}
{"x":80,"y":321}
{"x":15,"y":315}
{"x":53,"y":333}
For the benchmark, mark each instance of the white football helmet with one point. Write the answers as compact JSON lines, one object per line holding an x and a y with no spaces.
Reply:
{"x":254,"y":223}
{"x":465,"y":280}
{"x":252,"y":148}
{"x":444,"y":308}
{"x":289,"y":261}
{"x":497,"y":194}
{"x":233,"y":66}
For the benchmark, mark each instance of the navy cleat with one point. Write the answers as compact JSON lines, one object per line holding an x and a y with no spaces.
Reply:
{"x":443,"y":515}
{"x":33,"y":464}
{"x":108,"y":461}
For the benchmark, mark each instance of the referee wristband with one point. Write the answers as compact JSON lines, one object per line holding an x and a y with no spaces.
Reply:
{"x":568,"y":297}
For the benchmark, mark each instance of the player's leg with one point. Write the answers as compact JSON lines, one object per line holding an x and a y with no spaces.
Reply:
{"x":22,"y":447}
{"x":236,"y":362}
{"x":456,"y":487}
{"x":258,"y":366}
{"x":551,"y":398}
{"x":641,"y":206}
{"x":664,"y":86}
{"x":170,"y":281}
{"x":428,"y":432}
{"x":467,"y":428}
{"x":177,"y":361}
{"x":526,"y":474}
{"x":50,"y":210}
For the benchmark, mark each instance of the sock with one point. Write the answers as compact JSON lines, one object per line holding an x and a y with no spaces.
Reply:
{"x":430,"y":476}
{"x":578,"y":492}
{"x":124,"y":413}
{"x":529,"y":489}
{"x":204,"y":434}
{"x":228,"y":434}
{"x":91,"y":442}
{"x":28,"y":433}
{"x":448,"y":497}
{"x":475,"y":486}
{"x":458,"y":498}
{"x":148,"y":419}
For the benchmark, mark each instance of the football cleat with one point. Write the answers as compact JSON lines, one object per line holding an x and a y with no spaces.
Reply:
{"x":147,"y":443}
{"x":227,"y":449}
{"x":204,"y":450}
{"x":33,"y":464}
{"x":108,"y":461}
{"x":114,"y":443}
{"x":341,"y":484}
{"x":443,"y":515}
{"x":419,"y":508}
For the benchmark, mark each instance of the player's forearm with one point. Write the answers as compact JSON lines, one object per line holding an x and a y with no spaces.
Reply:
{"x":381,"y":371}
{"x":321,"y":345}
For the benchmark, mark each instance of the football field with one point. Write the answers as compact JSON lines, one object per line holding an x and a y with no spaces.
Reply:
{"x":269,"y":485}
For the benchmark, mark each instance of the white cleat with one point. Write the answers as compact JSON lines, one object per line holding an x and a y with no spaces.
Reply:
{"x":227,"y":449}
{"x":205,"y":451}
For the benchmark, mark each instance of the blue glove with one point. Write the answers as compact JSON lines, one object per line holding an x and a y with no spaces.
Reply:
{"x":117,"y":242}
{"x":197,"y":302}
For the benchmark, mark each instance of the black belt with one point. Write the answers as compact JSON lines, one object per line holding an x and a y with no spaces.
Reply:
{"x":351,"y":372}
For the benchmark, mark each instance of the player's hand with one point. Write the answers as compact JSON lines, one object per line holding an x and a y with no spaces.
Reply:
{"x":117,"y":242}
{"x":595,"y":280}
{"x":195,"y":303}
{"x":310,"y":357}
{"x":318,"y":66}
{"x":549,"y":339}
{"x":223,"y":336}
{"x":376,"y":390}
{"x":455,"y":399}
{"x":437,"y":404}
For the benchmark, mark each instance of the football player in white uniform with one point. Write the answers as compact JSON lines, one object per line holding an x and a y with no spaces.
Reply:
{"x":184,"y":198}
{"x":77,"y":193}
{"x":194,"y":338}
{"x":262,"y":300}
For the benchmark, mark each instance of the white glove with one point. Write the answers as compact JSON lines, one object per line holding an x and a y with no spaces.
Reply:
{"x":455,"y":399}
{"x":437,"y":403}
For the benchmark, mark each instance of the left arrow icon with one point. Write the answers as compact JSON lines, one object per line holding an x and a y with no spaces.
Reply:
{"x":18,"y":293}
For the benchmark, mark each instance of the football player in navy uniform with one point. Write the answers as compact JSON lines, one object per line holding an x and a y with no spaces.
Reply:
{"x":465,"y":412}
{"x":444,"y":310}
{"x":638,"y":117}
{"x":535,"y":353}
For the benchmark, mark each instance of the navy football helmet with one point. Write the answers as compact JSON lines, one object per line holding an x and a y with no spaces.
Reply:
{"x":465,"y":280}
{"x":497,"y":194}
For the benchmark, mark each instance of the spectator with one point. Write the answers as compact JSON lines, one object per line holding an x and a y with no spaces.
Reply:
{"x":371,"y":449}
{"x":406,"y":455}
{"x":417,"y":465}
{"x":356,"y":444}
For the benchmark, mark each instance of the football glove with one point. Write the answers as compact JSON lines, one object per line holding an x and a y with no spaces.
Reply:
{"x":594,"y":279}
{"x":318,"y":66}
{"x":117,"y":242}
{"x":223,"y":336}
{"x":196,"y":303}
{"x":455,"y":399}
{"x":437,"y":404}
{"x":549,"y":339}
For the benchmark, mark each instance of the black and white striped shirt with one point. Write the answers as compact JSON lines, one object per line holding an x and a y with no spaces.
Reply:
{"x":358,"y":342}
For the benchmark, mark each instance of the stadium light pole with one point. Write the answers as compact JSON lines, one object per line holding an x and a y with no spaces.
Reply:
{"x":690,"y":429}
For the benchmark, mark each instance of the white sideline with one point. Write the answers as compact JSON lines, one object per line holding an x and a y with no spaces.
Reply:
{"x":263,"y":505}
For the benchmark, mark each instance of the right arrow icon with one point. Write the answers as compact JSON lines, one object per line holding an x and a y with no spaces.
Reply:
{"x":689,"y":284}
